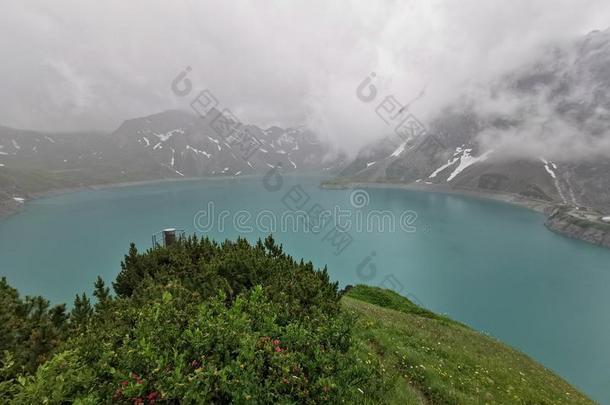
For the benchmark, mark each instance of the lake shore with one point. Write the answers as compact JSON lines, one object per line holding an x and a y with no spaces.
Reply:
{"x":559,"y":219}
{"x":540,"y":206}
{"x":573,"y":228}
{"x":10,"y":206}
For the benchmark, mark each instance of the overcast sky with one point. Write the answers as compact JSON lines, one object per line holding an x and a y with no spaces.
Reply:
{"x":78,"y":64}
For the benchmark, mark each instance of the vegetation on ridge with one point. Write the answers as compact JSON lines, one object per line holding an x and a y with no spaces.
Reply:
{"x":203,"y":322}
{"x":430,"y":359}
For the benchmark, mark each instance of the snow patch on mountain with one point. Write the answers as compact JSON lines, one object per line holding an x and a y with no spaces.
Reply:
{"x":198,"y":151}
{"x":548,"y":169}
{"x":551,"y":172}
{"x":466,"y":161}
{"x":164,"y":137}
{"x":172,"y":169}
{"x":449,"y":163}
{"x":399,"y":150}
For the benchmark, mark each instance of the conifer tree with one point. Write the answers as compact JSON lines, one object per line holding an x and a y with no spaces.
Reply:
{"x":101,"y":293}
{"x":82,"y":311}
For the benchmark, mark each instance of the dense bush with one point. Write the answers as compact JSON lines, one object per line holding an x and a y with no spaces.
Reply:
{"x":202,"y":322}
{"x":30,"y":330}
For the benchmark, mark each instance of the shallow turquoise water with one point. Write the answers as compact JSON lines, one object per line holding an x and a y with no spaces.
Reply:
{"x":490,"y":265}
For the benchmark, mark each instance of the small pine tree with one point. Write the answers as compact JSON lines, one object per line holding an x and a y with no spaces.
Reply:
{"x":272,"y":247}
{"x":82,"y":311}
{"x":58,"y":315}
{"x":101,"y":293}
{"x":126,"y":280}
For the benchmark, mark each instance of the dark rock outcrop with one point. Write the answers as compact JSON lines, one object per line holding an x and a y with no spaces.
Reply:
{"x":570,"y":223}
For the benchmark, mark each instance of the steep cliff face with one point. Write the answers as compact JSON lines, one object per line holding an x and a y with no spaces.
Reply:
{"x":589,"y":227}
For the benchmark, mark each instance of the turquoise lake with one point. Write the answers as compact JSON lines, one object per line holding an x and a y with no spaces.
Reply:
{"x":490,"y":265}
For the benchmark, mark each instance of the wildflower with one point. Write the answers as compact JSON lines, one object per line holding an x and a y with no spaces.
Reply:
{"x":276,"y":342}
{"x":152,"y":397}
{"x":138,"y":401}
{"x":278,"y":349}
{"x":117,"y":394}
{"x":136,"y":377}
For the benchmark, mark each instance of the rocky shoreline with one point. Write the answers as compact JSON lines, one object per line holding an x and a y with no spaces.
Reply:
{"x":8,"y":207}
{"x":573,"y":224}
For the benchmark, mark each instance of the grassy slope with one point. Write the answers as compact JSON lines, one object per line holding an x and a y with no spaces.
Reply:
{"x":430,"y":359}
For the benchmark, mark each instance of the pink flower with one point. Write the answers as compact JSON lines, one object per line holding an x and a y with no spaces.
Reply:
{"x":152,"y":397}
{"x":278,"y":349}
{"x":276,"y":342}
{"x":117,"y":394}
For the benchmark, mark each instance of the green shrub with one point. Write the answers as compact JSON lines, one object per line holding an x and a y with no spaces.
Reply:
{"x":202,"y":322}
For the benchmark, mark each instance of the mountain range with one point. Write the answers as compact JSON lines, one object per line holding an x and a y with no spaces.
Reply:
{"x":465,"y":148}
{"x":171,"y":144}
{"x":551,"y":146}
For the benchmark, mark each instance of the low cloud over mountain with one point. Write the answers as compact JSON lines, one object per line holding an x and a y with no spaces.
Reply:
{"x":74,"y":66}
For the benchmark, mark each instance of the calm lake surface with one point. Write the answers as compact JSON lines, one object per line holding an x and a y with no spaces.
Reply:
{"x":490,"y":265}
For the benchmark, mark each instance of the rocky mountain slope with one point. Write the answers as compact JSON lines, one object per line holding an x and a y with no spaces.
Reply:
{"x":171,"y":144}
{"x":566,"y":93}
{"x":187,"y":145}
